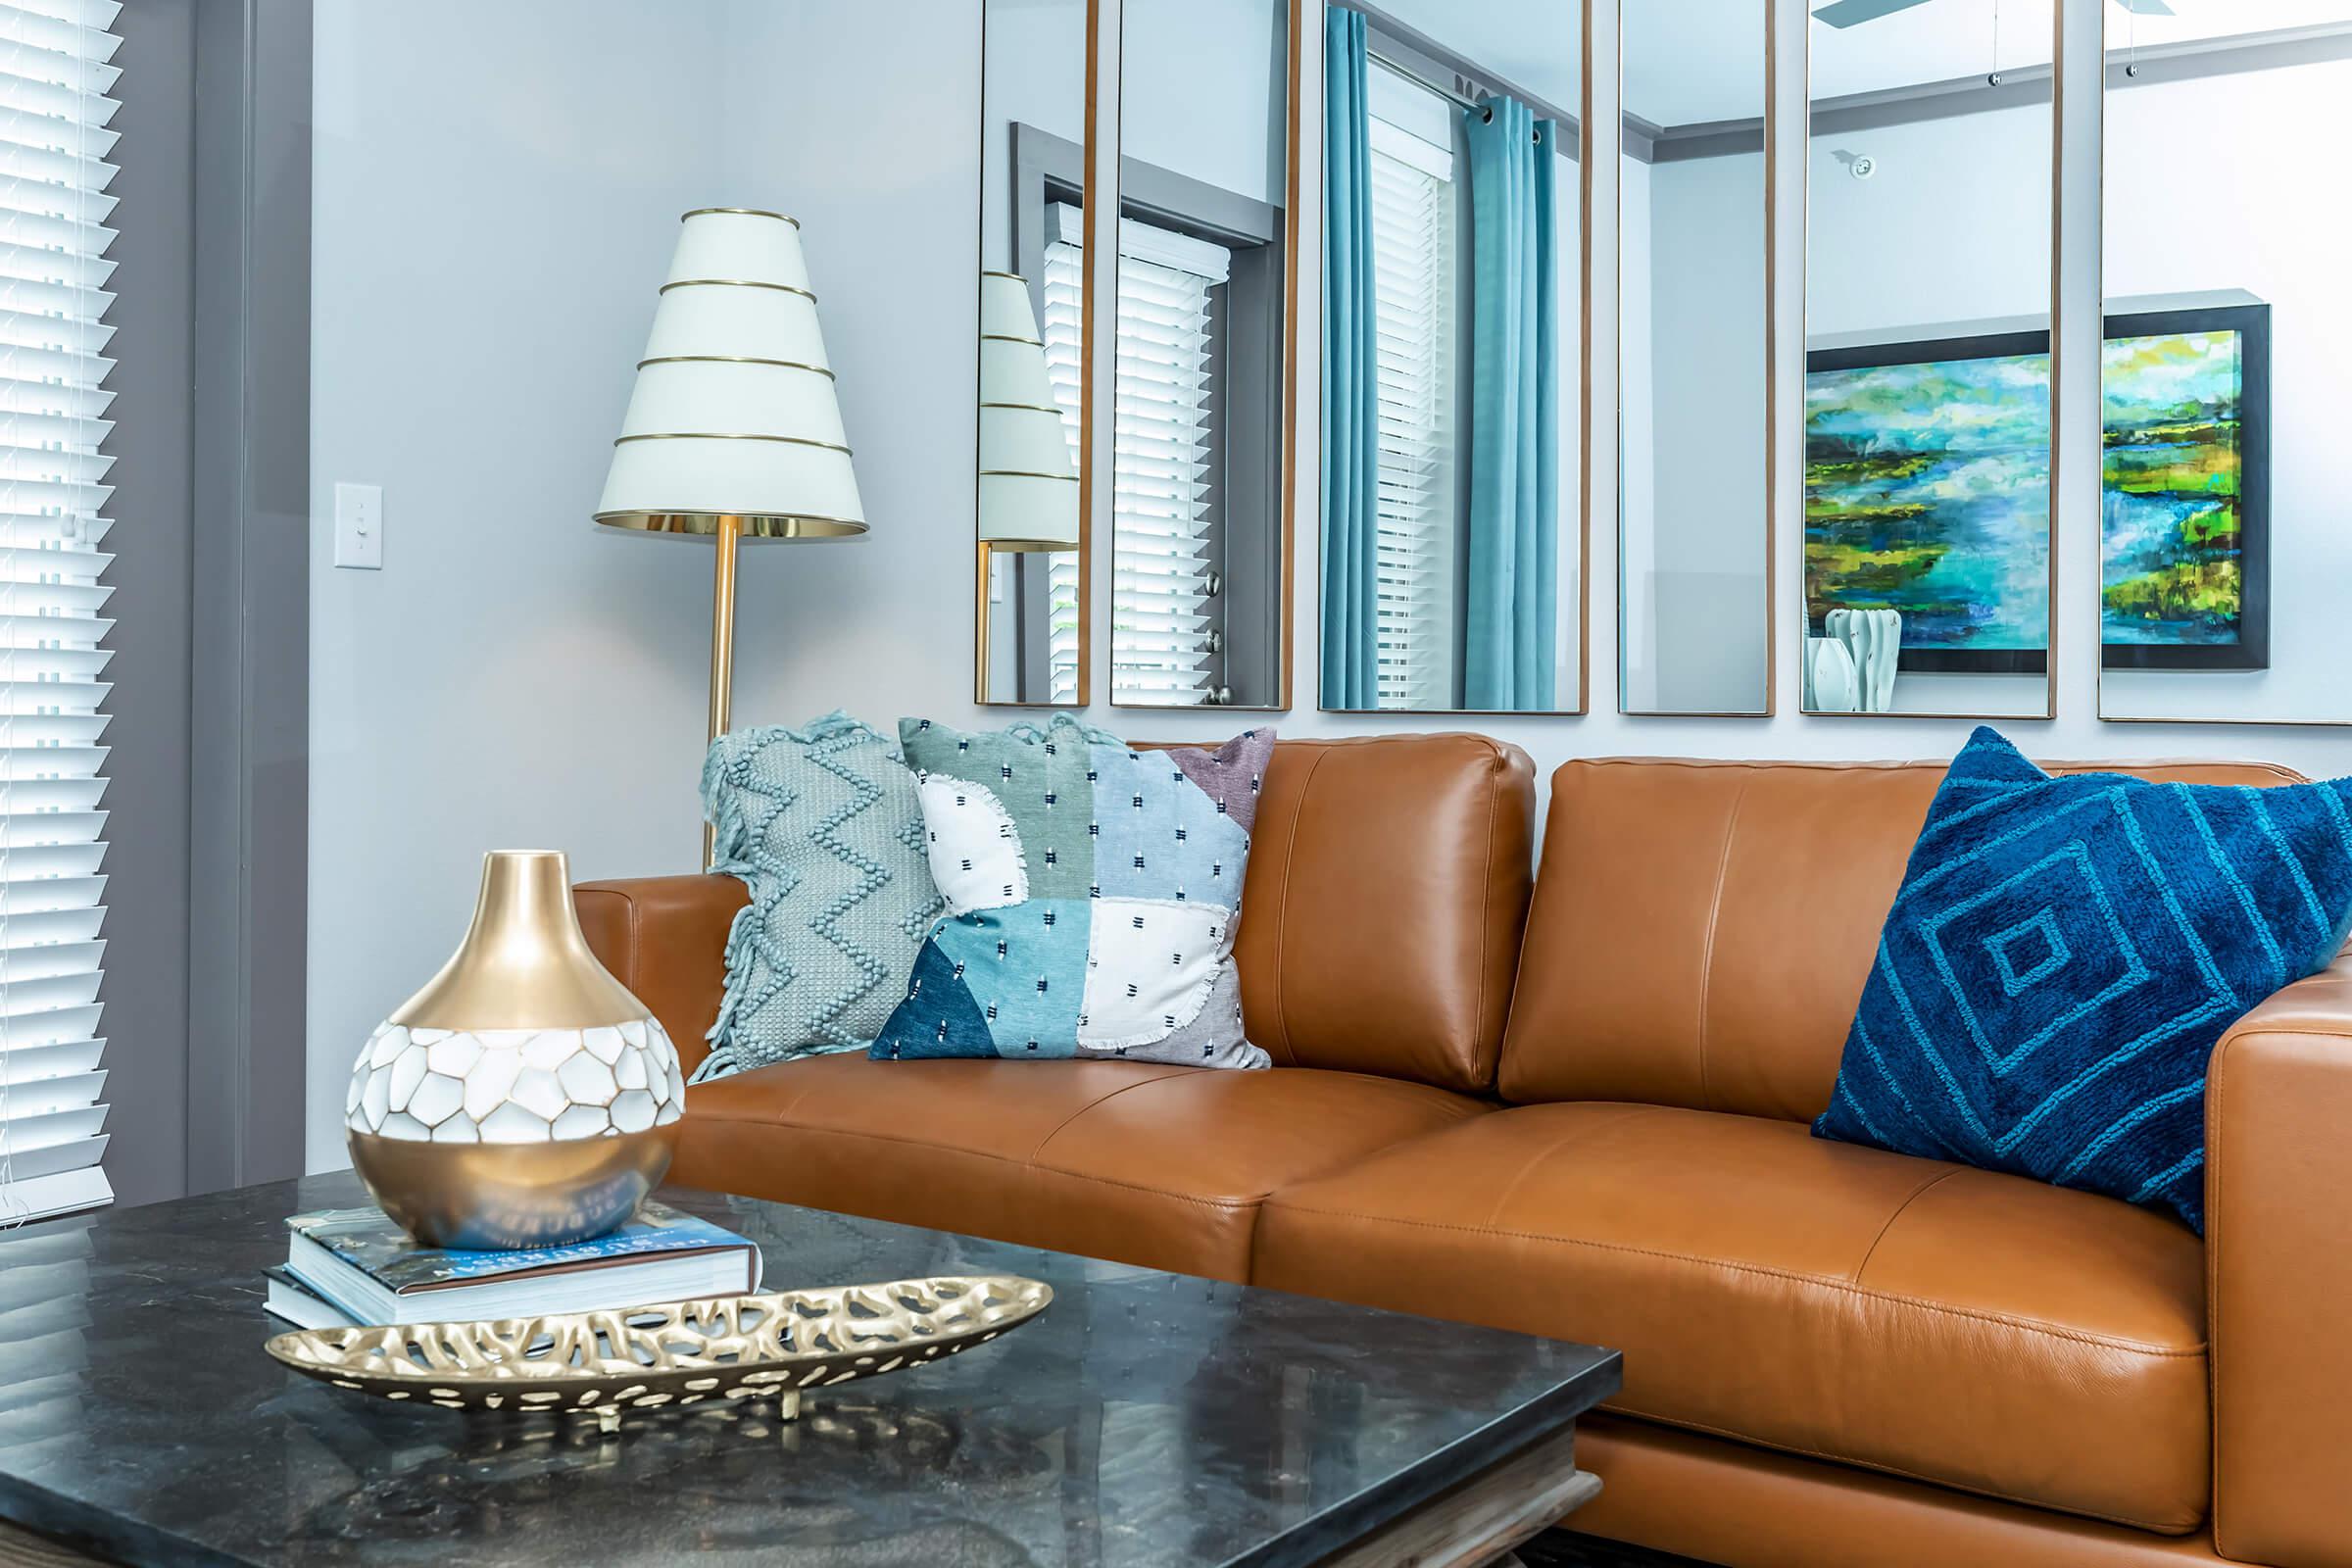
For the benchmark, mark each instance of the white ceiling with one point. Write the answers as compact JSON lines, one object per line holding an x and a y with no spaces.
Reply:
{"x":1531,"y":44}
{"x":1691,"y":62}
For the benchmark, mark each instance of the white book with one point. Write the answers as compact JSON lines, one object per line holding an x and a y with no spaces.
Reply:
{"x":289,"y":1301}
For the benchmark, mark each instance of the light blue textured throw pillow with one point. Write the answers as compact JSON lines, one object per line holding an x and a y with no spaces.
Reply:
{"x":822,"y":825}
{"x":2062,"y":958}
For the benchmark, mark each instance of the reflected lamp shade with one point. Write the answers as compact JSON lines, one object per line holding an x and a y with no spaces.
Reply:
{"x":733,"y":413}
{"x":1028,"y":481}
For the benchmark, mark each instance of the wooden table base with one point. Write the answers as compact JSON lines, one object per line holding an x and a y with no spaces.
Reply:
{"x":1483,"y":1521}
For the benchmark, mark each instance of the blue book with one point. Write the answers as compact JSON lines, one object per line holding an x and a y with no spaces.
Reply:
{"x":374,"y":1272}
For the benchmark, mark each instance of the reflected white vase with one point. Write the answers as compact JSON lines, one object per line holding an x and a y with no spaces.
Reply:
{"x":1874,"y":638}
{"x":1830,"y":683}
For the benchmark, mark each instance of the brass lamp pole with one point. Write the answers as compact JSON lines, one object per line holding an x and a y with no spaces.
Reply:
{"x":733,"y":433}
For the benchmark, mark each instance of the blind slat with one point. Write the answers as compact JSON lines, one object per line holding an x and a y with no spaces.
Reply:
{"x":1414,"y":217}
{"x":56,"y":112}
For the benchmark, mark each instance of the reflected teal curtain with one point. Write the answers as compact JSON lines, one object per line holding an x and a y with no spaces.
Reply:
{"x":1510,"y":620}
{"x":1350,"y":426}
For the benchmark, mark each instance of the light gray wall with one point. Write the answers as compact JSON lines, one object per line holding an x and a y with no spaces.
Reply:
{"x":485,"y":265}
{"x":490,"y":225}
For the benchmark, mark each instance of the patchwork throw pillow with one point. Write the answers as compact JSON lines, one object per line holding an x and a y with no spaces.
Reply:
{"x":821,"y":824}
{"x":2062,"y":958}
{"x":1091,"y":893}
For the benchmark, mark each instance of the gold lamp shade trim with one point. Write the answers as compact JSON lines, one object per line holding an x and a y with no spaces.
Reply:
{"x":733,"y":435}
{"x":741,"y":212}
{"x":755,"y":527}
{"x":524,"y":963}
{"x":739,"y":282}
{"x":734,"y":358}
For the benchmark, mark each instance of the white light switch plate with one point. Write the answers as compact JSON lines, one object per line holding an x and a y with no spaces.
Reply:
{"x":360,"y":526}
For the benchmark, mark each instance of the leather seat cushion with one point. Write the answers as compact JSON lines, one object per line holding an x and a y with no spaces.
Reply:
{"x":1983,"y":1331}
{"x":1140,"y":1162}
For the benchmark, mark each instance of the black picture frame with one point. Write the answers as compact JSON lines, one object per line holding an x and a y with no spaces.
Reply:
{"x":2252,"y":324}
{"x":2252,"y":650}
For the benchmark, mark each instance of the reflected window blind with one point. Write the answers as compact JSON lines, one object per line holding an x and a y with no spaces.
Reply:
{"x":55,"y":105}
{"x":1066,"y":300}
{"x":1161,"y":629}
{"x":1413,"y":219}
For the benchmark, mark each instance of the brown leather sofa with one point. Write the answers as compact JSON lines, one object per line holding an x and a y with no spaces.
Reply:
{"x":1586,"y":1116}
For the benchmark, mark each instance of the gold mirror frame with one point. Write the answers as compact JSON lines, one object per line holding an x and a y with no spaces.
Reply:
{"x":1769,"y":390}
{"x":2058,"y":382}
{"x":1293,"y":185}
{"x":1584,"y":407}
{"x":1086,"y":395}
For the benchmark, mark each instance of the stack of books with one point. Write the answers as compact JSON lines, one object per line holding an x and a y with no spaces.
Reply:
{"x":349,"y":1266}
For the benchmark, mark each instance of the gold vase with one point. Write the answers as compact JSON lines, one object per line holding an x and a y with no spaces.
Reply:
{"x":523,"y":1098}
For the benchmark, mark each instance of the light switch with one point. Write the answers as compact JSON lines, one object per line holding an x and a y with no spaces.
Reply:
{"x":360,"y":526}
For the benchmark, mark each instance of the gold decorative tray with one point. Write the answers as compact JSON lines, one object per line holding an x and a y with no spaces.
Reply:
{"x":731,"y":1347}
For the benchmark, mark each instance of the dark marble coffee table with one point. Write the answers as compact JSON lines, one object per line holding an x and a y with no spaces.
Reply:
{"x":1146,"y":1418}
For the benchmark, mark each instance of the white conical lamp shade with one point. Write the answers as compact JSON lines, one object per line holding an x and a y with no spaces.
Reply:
{"x":733,"y":412}
{"x":1028,"y":482}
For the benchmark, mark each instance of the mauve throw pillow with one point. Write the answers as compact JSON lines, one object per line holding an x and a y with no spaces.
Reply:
{"x":2062,"y":958}
{"x":1092,"y":894}
{"x":821,"y":824}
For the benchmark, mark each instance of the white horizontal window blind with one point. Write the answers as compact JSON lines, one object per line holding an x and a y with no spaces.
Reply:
{"x":1063,"y":328}
{"x":1414,"y":217}
{"x":55,"y":105}
{"x":1162,"y":626}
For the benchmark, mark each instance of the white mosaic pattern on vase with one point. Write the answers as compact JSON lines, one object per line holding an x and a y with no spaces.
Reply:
{"x":514,"y":1086}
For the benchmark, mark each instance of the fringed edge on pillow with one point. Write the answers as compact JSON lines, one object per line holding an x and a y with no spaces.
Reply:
{"x":722,"y":1033}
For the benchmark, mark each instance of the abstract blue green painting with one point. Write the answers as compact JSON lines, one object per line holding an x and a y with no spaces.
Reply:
{"x":2184,"y":534}
{"x":1927,"y":492}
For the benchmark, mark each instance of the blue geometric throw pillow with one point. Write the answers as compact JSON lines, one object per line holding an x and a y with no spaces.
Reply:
{"x":1092,"y":894}
{"x":2062,"y":958}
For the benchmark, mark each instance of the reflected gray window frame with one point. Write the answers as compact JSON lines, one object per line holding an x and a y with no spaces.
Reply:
{"x":1027,"y":237}
{"x":2171,"y":64}
{"x":1957,"y":97}
{"x":1704,"y":141}
{"x":1585,"y":11}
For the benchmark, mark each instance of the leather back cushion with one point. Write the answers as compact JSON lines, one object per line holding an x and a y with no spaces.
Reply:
{"x":1701,"y":930}
{"x":1387,"y":894}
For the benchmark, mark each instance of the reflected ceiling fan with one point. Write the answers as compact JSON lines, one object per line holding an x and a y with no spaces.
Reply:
{"x":1853,"y":13}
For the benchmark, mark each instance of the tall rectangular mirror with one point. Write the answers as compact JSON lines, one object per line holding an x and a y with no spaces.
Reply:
{"x":1694,"y":348}
{"x":2224,"y":544}
{"x":1201,"y":532}
{"x":1454,"y":289}
{"x":1035,"y":356}
{"x":1928,"y":370}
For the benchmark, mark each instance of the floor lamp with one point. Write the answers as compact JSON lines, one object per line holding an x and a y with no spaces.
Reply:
{"x":733,"y":433}
{"x":1028,"y":479}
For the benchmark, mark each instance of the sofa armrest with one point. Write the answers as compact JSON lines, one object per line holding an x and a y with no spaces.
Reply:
{"x":665,"y":937}
{"x":2278,"y":1270}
